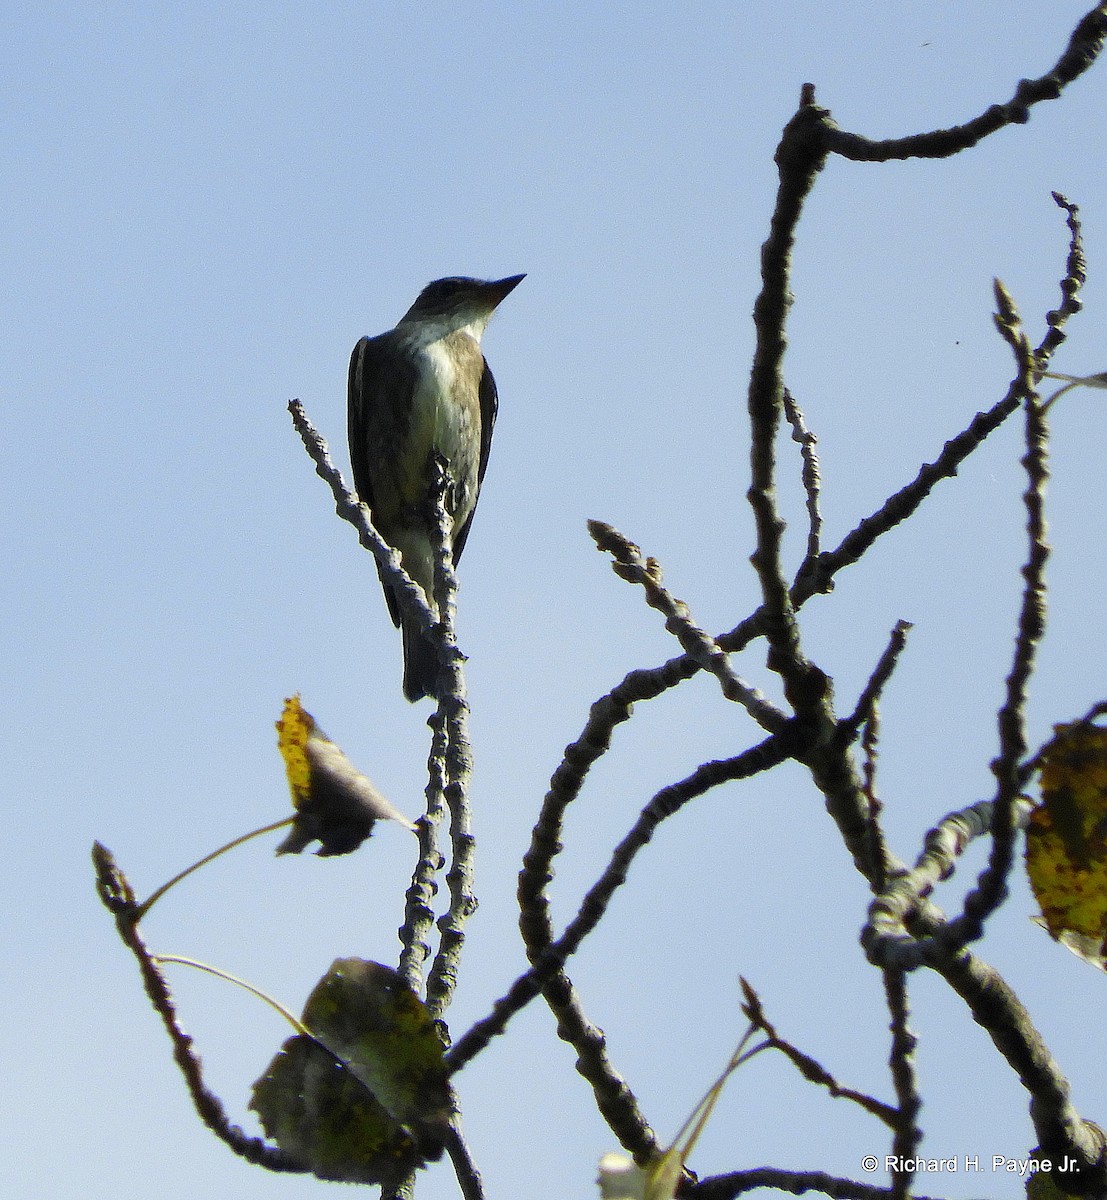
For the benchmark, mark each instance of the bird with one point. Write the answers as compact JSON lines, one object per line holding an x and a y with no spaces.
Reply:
{"x":424,"y":389}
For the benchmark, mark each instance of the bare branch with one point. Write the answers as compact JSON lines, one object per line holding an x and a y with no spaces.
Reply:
{"x":874,"y":687}
{"x":878,"y":848}
{"x":812,"y":1070}
{"x":1071,"y":284}
{"x":119,"y":899}
{"x":346,"y":505}
{"x":908,"y":1135}
{"x":451,"y":725}
{"x":814,"y":577}
{"x":468,"y":1177}
{"x":737,"y":1183}
{"x":866,"y":715}
{"x":414,"y":933}
{"x":1059,"y":1127}
{"x":631,"y":566}
{"x":817,"y":577}
{"x":799,"y":157}
{"x":993,"y":1004}
{"x":902,"y":504}
{"x":885,"y":937}
{"x":810,"y":472}
{"x":991,"y":887}
{"x":547,"y":955}
{"x":1083,"y":48}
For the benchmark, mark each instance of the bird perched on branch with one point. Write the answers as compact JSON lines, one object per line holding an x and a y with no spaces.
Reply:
{"x":419,"y":390}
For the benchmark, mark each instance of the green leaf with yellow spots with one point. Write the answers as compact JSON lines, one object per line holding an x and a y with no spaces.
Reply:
{"x":327,"y":1120}
{"x":1066,"y":838}
{"x":365,"y":1099}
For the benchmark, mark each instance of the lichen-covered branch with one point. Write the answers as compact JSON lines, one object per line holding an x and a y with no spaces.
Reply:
{"x":629,"y":564}
{"x":901,"y":1060}
{"x":451,"y":731}
{"x":991,"y":887}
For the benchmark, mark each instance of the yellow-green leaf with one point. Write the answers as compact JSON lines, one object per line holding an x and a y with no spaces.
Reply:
{"x":1066,"y":838}
{"x":368,"y":1097}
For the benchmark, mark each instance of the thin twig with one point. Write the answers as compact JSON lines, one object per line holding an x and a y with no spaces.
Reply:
{"x":797,"y":1183}
{"x":800,"y":157}
{"x":907,"y":1134}
{"x":866,"y":715}
{"x":549,"y":956}
{"x":878,"y":848}
{"x":877,"y":681}
{"x":901,"y":505}
{"x":118,"y":897}
{"x":811,"y":1069}
{"x":1075,"y":276}
{"x":419,"y":897}
{"x":468,"y":1177}
{"x":991,"y":887}
{"x":1083,"y":48}
{"x":409,"y":593}
{"x":629,"y":564}
{"x":809,"y":475}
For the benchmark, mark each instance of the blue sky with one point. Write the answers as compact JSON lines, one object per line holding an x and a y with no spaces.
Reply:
{"x":206,"y":206}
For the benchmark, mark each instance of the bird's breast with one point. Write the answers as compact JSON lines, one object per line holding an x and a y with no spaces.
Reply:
{"x":445,"y":415}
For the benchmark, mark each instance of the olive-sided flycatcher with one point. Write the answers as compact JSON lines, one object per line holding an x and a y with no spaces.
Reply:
{"x":420,"y":389}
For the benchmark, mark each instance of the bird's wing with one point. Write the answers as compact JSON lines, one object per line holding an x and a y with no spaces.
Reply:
{"x":373,"y":425}
{"x":489,"y":407}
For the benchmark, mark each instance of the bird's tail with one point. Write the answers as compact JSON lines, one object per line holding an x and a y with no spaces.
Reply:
{"x":420,"y":663}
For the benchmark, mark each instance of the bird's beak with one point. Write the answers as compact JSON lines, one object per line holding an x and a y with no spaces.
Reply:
{"x":498,"y":289}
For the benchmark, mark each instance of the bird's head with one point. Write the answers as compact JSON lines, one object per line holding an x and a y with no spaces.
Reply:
{"x":459,"y":302}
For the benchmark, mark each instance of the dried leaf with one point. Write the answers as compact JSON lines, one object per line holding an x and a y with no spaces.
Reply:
{"x":335,"y":803}
{"x":1066,"y":838}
